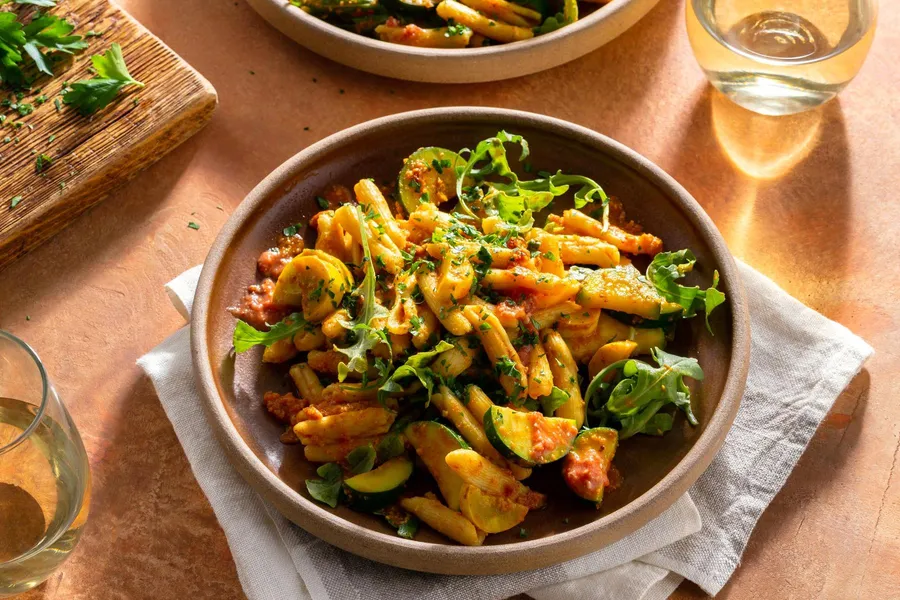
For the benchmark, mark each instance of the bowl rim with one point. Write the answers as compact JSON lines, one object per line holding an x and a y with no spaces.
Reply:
{"x":603,"y":13}
{"x":493,"y":559}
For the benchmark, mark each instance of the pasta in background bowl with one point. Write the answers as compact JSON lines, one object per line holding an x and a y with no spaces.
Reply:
{"x":452,"y":42}
{"x":544,"y":522}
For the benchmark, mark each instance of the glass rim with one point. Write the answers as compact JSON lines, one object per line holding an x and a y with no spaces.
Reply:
{"x":45,"y":388}
{"x":714,"y":31}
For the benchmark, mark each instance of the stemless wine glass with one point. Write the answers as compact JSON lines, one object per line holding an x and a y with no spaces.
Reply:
{"x":778,"y":57}
{"x":44,"y":476}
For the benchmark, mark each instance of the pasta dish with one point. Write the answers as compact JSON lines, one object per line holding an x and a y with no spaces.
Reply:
{"x":433,"y":329}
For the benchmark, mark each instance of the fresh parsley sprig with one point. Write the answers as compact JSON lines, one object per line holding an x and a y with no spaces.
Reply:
{"x":90,"y":95}
{"x":52,"y":33}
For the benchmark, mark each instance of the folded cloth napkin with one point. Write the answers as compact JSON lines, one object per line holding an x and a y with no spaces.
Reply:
{"x":800,"y":362}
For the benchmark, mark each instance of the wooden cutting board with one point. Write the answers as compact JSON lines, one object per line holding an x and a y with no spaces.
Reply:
{"x":92,"y":156}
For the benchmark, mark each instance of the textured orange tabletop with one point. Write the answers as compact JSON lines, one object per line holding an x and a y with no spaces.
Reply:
{"x":810,"y":201}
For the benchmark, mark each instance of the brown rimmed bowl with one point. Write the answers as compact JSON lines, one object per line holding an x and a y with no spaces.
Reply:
{"x":460,"y":65}
{"x":656,"y":470}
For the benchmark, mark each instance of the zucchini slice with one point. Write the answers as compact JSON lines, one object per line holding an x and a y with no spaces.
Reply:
{"x":622,"y":289}
{"x":586,"y":468}
{"x":433,"y":442}
{"x":612,"y":330}
{"x":315,"y":281}
{"x":491,"y":514}
{"x":428,"y":175}
{"x":379,"y":487}
{"x":529,"y":438}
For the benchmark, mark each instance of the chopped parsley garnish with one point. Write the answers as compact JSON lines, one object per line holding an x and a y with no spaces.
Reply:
{"x":15,"y":201}
{"x":193,"y":225}
{"x":292,"y":230}
{"x":42,"y":163}
{"x":316,"y":294}
{"x":454,"y":28}
{"x":322,"y":202}
{"x":507,"y":366}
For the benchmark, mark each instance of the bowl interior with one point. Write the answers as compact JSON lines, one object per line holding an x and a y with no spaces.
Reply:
{"x":378,"y":152}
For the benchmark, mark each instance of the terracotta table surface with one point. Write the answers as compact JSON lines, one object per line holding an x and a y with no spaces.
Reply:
{"x":810,"y":201}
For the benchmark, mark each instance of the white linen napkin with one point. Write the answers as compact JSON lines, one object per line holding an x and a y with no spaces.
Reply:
{"x":800,"y":362}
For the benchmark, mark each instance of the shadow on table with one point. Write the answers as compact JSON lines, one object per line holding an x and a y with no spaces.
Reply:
{"x":150,"y":526}
{"x":776,"y":187}
{"x":106,"y":233}
{"x":829,"y":452}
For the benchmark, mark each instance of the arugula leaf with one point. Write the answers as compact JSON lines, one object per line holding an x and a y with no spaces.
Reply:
{"x":504,"y":194}
{"x":90,"y":95}
{"x":659,"y":424}
{"x":638,"y":391}
{"x":664,"y":271}
{"x":361,"y":459}
{"x":367,"y":337}
{"x":53,"y":33}
{"x":328,"y":489}
{"x":246,"y":336}
{"x":389,"y":447}
{"x":556,"y":398}
{"x":415,"y":366}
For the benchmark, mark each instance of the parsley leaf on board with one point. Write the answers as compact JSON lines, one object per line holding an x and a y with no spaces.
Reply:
{"x":52,"y":33}
{"x":90,"y":95}
{"x":638,"y":391}
{"x":246,"y":336}
{"x":328,"y":489}
{"x":42,"y":163}
{"x":361,"y":459}
{"x":664,"y":271}
{"x":12,"y":38}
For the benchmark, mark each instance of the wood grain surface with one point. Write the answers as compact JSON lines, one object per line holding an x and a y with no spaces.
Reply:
{"x":93,"y":155}
{"x":807,"y":201}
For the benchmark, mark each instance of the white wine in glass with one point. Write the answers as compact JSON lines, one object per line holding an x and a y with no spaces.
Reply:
{"x":44,"y":476}
{"x":779,"y":57}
